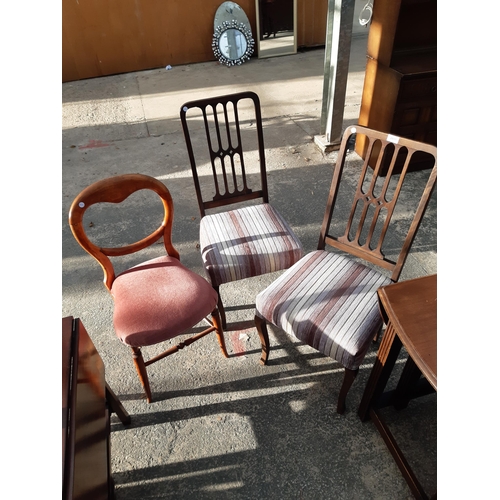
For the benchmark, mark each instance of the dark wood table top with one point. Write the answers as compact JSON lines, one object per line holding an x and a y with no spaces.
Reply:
{"x":411,"y":306}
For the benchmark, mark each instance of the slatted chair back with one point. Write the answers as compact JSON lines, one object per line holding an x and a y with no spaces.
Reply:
{"x":375,"y":198}
{"x":223,"y":132}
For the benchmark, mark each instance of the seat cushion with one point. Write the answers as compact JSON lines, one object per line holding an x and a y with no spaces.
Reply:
{"x":329,"y":302}
{"x":158,"y":300}
{"x":247,"y":242}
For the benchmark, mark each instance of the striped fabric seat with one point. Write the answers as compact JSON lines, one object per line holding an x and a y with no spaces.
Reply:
{"x":247,"y":242}
{"x":327,"y":301}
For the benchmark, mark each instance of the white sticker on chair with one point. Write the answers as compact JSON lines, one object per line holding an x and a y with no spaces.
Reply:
{"x":393,"y":138}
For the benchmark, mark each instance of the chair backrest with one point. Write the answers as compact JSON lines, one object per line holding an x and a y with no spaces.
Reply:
{"x":224,"y":136}
{"x":116,"y":190}
{"x":370,"y":206}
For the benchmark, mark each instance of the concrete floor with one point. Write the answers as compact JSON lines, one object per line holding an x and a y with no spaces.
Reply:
{"x":230,"y":428}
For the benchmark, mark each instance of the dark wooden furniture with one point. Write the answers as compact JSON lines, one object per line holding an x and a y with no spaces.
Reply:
{"x":400,"y":89}
{"x":87,"y":402}
{"x":409,"y":308}
{"x":329,"y":303}
{"x":156,"y":300}
{"x":224,"y":137}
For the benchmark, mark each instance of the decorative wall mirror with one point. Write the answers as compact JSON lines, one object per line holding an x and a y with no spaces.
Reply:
{"x":232,"y":42}
{"x":276,"y":27}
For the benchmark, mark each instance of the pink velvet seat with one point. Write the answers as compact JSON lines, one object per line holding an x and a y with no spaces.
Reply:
{"x":151,"y":300}
{"x":158,"y":299}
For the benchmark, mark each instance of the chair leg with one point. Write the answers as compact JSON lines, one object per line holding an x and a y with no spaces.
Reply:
{"x":220,"y":306}
{"x":261,"y":326}
{"x":349,"y":377}
{"x":141,"y":371}
{"x":216,"y":320}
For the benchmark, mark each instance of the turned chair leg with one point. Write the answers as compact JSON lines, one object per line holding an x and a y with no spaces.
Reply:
{"x":216,"y":320}
{"x":141,"y":371}
{"x":349,"y":377}
{"x":261,"y":326}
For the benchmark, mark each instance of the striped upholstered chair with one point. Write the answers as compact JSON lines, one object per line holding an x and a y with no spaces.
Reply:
{"x":328,"y":299}
{"x":225,"y":145}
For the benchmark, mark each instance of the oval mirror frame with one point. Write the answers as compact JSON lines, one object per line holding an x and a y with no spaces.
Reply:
{"x":232,"y":55}
{"x":232,"y":42}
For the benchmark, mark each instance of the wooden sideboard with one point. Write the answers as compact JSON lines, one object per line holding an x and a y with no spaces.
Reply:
{"x":400,"y":89}
{"x":87,"y":402}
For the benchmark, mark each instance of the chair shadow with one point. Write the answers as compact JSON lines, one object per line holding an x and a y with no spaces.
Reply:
{"x":290,"y":425}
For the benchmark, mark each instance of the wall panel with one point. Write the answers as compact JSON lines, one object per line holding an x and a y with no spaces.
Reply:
{"x":311,"y":22}
{"x":105,"y":37}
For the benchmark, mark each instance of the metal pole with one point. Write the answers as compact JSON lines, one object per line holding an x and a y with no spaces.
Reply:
{"x":337,"y":54}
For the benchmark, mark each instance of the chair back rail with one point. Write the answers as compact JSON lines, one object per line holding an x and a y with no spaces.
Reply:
{"x":116,"y":190}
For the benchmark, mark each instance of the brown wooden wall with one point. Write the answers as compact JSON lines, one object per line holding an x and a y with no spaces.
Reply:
{"x":311,"y":22}
{"x":106,"y":37}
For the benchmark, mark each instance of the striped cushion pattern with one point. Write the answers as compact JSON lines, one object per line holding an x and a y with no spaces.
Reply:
{"x":247,"y":242}
{"x":329,"y":302}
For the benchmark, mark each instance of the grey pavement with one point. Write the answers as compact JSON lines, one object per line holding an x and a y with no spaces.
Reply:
{"x":231,"y":428}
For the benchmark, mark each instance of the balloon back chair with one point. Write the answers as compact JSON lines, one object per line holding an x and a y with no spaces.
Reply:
{"x":158,"y":299}
{"x":225,"y":144}
{"x":328,"y":299}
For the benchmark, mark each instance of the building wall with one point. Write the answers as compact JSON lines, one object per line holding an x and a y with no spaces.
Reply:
{"x":105,"y":37}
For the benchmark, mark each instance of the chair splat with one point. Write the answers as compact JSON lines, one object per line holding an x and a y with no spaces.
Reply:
{"x":374,"y":201}
{"x":223,"y":156}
